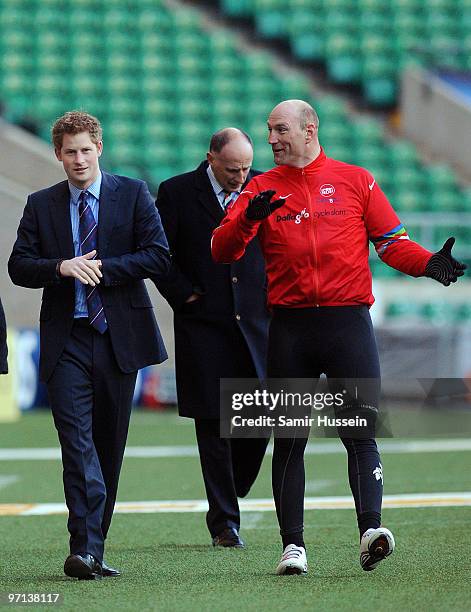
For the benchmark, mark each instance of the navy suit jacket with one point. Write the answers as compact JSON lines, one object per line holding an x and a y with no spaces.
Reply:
{"x":233,"y":304}
{"x":131,"y":245}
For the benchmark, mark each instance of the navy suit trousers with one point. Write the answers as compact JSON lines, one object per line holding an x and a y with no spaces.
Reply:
{"x":91,"y":402}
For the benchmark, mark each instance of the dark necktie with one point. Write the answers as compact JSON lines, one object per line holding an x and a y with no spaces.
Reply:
{"x":227,"y":199}
{"x":88,"y":230}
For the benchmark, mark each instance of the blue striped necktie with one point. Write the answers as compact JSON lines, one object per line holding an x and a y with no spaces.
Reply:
{"x":88,"y":230}
{"x":227,"y":199}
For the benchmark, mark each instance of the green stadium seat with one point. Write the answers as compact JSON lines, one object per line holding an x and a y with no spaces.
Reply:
{"x":263,"y":158}
{"x":128,"y":170}
{"x":190,"y":44}
{"x":271,"y":24}
{"x":463,"y":313}
{"x":442,"y":200}
{"x":124,"y":108}
{"x":407,"y":178}
{"x":223,"y":87}
{"x":238,"y":8}
{"x":403,"y":310}
{"x":185,"y":19}
{"x":15,"y":39}
{"x":380,"y":91}
{"x":344,"y":62}
{"x":257,"y":64}
{"x":379,"y":269}
{"x":373,"y":6}
{"x":160,"y":153}
{"x":87,"y":6}
{"x":341,"y":20}
{"x":51,"y":42}
{"x":408,"y":26}
{"x":367,"y":132}
{"x":150,"y":21}
{"x":465,"y":198}
{"x":225,"y":66}
{"x":408,"y":199}
{"x":257,"y":110}
{"x":369,"y":156}
{"x":81,"y":20}
{"x":378,"y":80}
{"x":153,"y":65}
{"x":375,"y":21}
{"x":311,"y":5}
{"x":16,"y":62}
{"x":373,"y":44}
{"x":441,"y":176}
{"x":414,"y":231}
{"x":440,"y":23}
{"x":228,"y":111}
{"x":413,"y":6}
{"x":335,"y":132}
{"x":156,"y":42}
{"x":442,"y":233}
{"x":87,"y":84}
{"x":437,"y":313}
{"x":117,"y":19}
{"x":49,"y":107}
{"x":262,"y":6}
{"x":294,"y":86}
{"x":222,"y":41}
{"x":259,"y":133}
{"x":190,"y":64}
{"x":11,"y":16}
{"x":338,"y":150}
{"x":330,"y":108}
{"x":190,"y":86}
{"x":403,"y":154}
{"x":264,"y":86}
{"x":306,"y":34}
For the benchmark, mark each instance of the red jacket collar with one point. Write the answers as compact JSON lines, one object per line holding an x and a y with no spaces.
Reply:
{"x":311,"y":168}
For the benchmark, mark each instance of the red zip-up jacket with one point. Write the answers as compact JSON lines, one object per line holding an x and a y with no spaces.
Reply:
{"x":316,"y":245}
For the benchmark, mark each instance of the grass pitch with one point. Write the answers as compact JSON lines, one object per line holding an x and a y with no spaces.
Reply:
{"x":167,"y":560}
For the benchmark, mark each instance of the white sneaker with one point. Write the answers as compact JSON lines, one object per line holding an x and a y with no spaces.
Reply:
{"x":293,"y":561}
{"x":375,"y":545}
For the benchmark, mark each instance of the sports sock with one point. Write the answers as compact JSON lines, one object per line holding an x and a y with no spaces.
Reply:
{"x":293,"y":538}
{"x":368,"y":520}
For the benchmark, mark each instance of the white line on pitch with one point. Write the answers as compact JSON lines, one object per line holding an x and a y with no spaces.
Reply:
{"x":331,"y":447}
{"x":7,"y":479}
{"x":417,"y":500}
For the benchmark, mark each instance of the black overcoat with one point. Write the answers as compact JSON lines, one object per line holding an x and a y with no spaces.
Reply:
{"x":223,"y":334}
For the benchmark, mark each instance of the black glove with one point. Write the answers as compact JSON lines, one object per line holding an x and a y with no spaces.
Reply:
{"x":442,"y":267}
{"x":260,"y":207}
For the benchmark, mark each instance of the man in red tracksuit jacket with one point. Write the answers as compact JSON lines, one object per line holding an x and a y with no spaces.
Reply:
{"x":314,"y":236}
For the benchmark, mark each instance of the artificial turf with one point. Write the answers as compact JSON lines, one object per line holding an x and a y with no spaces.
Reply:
{"x":169,"y":564}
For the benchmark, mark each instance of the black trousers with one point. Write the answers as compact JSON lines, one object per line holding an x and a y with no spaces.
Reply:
{"x":338,"y":342}
{"x":230,"y":467}
{"x":91,"y":404}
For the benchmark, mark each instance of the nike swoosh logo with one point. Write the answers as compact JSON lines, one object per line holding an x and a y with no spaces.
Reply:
{"x":285,"y":196}
{"x":372,"y":185}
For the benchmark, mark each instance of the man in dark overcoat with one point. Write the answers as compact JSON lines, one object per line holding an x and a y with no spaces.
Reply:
{"x":220,"y":320}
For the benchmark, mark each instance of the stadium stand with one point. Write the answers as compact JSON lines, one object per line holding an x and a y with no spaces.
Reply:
{"x":161,"y":80}
{"x":366,"y":42}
